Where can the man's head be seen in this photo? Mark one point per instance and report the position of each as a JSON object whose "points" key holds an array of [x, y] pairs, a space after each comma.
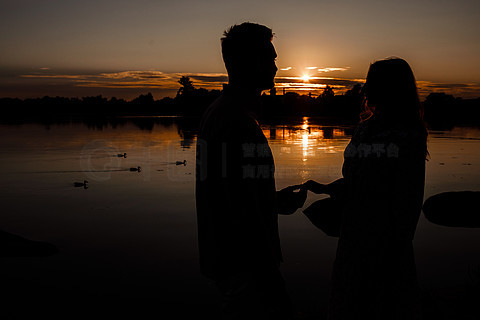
{"points": [[249, 56]]}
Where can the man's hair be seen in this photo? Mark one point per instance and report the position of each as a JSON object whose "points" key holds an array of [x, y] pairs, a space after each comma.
{"points": [[242, 43]]}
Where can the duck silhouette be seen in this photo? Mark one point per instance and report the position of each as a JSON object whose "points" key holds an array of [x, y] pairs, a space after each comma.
{"points": [[178, 163], [124, 155], [81, 184], [136, 169]]}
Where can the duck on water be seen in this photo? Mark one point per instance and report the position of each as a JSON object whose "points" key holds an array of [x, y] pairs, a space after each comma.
{"points": [[83, 184]]}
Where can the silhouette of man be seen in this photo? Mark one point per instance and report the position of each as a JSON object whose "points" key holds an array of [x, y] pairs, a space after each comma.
{"points": [[237, 203]]}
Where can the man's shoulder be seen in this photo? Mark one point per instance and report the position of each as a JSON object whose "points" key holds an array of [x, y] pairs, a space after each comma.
{"points": [[217, 107], [226, 107], [225, 115]]}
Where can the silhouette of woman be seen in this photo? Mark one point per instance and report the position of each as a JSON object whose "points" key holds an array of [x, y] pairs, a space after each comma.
{"points": [[381, 193]]}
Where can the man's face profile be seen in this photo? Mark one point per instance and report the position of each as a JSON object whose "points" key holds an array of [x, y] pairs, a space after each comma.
{"points": [[267, 69]]}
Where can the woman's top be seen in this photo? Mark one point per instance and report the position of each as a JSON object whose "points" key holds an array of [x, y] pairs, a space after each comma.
{"points": [[384, 176]]}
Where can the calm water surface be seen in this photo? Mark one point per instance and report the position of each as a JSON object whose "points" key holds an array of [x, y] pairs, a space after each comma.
{"points": [[140, 227]]}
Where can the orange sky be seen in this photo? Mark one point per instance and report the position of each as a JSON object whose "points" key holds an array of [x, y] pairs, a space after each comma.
{"points": [[126, 48]]}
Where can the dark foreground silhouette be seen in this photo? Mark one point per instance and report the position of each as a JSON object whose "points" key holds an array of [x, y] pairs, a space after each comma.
{"points": [[236, 198], [379, 201], [450, 209], [12, 245], [326, 215], [454, 209]]}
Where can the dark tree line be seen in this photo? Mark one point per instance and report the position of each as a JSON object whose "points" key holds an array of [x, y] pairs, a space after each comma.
{"points": [[441, 110], [342, 107]]}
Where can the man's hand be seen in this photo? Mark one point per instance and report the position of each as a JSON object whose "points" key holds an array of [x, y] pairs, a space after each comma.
{"points": [[289, 200], [315, 187]]}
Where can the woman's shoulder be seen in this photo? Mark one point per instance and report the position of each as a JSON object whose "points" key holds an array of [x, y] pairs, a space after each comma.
{"points": [[361, 131], [373, 138], [373, 129]]}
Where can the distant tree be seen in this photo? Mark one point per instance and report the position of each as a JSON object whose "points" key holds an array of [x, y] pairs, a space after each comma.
{"points": [[440, 98], [327, 93], [440, 110], [291, 95], [166, 100], [93, 100], [187, 87], [355, 91], [144, 99], [114, 100]]}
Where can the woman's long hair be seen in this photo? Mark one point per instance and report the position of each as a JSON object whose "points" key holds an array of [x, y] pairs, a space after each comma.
{"points": [[390, 95]]}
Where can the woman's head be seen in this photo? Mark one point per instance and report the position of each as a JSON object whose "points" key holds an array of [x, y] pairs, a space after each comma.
{"points": [[391, 96], [390, 91]]}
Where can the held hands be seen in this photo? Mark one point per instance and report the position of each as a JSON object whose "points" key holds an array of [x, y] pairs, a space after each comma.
{"points": [[315, 187], [289, 200], [335, 189]]}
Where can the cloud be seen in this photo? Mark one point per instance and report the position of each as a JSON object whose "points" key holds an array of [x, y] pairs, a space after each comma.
{"points": [[211, 78], [286, 69], [53, 76], [465, 90], [432, 85], [130, 83], [135, 75], [311, 68], [132, 80], [320, 80], [332, 69], [315, 85]]}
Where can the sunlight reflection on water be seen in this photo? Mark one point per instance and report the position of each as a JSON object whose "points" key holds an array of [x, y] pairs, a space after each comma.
{"points": [[124, 211]]}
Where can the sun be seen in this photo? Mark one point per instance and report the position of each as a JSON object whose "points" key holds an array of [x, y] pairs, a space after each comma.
{"points": [[305, 77]]}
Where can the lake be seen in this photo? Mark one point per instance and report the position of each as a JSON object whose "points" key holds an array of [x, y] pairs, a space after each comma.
{"points": [[131, 235]]}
